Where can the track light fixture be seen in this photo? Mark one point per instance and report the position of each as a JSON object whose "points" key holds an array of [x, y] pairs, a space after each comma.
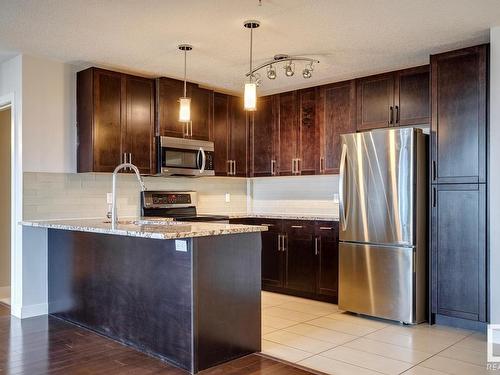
{"points": [[289, 66]]}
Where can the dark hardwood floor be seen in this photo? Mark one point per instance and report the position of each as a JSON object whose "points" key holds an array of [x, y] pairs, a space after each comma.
{"points": [[47, 345]]}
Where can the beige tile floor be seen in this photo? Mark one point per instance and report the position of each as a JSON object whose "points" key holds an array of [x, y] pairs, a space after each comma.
{"points": [[317, 335]]}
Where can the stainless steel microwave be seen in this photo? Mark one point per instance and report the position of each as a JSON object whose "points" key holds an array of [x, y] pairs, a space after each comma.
{"points": [[185, 157]]}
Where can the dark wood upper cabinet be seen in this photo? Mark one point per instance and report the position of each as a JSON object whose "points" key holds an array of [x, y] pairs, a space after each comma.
{"points": [[230, 136], [168, 92], [458, 251], [459, 116], [398, 98], [139, 123], [201, 112], [115, 120], [264, 137], [221, 133], [308, 133], [412, 97], [288, 133], [336, 116], [375, 102], [238, 151]]}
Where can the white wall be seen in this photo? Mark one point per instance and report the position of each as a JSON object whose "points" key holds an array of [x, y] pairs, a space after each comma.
{"points": [[49, 115], [11, 93], [494, 176]]}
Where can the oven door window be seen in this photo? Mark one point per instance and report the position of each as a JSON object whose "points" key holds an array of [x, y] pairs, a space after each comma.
{"points": [[187, 159]]}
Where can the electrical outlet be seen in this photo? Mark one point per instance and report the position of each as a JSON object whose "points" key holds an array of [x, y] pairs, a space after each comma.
{"points": [[228, 197], [336, 198]]}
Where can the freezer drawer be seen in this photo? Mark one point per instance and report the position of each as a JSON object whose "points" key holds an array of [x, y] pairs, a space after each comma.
{"points": [[378, 281]]}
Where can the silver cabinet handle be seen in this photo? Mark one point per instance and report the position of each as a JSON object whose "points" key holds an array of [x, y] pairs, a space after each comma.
{"points": [[325, 228], [316, 240], [293, 166], [228, 167], [234, 170], [279, 242], [297, 226], [267, 225], [298, 166], [321, 165], [273, 167], [130, 157], [185, 129], [285, 237]]}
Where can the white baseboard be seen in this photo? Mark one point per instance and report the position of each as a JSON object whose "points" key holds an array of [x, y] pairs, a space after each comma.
{"points": [[24, 312], [4, 291]]}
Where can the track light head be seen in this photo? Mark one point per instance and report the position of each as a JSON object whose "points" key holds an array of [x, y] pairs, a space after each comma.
{"points": [[271, 72], [289, 69]]}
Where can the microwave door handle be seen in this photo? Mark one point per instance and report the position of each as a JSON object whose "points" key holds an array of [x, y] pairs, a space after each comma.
{"points": [[203, 159]]}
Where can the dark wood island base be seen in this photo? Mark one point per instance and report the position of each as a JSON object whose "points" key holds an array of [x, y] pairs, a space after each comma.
{"points": [[193, 302]]}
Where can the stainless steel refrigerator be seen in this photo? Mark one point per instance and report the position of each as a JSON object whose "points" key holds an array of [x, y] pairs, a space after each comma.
{"points": [[383, 224]]}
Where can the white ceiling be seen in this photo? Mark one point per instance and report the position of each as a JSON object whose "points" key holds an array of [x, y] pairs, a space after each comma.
{"points": [[351, 38]]}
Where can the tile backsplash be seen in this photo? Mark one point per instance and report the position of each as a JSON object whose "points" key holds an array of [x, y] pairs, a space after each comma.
{"points": [[315, 195], [71, 195]]}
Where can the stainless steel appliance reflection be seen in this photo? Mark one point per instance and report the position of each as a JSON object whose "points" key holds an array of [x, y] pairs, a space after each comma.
{"points": [[383, 225]]}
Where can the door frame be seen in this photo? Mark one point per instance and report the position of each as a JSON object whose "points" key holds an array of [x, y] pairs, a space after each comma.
{"points": [[16, 246]]}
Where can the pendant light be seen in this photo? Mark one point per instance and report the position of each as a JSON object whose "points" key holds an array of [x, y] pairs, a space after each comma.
{"points": [[184, 101], [250, 99]]}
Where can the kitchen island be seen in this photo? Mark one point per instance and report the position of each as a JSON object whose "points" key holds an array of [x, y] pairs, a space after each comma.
{"points": [[188, 293]]}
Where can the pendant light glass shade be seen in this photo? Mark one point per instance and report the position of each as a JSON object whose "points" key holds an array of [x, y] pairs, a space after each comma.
{"points": [[184, 101], [184, 109], [250, 96]]}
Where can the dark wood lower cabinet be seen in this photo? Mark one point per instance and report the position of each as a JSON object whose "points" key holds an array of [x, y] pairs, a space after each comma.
{"points": [[299, 257], [458, 252], [327, 235]]}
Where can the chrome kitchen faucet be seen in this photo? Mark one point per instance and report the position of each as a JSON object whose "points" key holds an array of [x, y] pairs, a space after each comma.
{"points": [[114, 218]]}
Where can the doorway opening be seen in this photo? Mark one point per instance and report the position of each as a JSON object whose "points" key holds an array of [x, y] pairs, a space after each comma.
{"points": [[5, 204]]}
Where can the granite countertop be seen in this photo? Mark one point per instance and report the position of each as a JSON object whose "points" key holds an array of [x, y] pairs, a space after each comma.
{"points": [[164, 229], [288, 216]]}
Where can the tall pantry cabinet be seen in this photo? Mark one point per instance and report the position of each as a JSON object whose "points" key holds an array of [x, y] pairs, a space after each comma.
{"points": [[459, 187]]}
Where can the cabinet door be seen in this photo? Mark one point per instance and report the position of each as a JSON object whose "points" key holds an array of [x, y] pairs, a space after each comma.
{"points": [[238, 135], [327, 245], [458, 251], [412, 97], [109, 94], [337, 117], [288, 132], [375, 102], [168, 92], [263, 139], [221, 133], [201, 112], [458, 130], [301, 259], [138, 135], [308, 152], [272, 256]]}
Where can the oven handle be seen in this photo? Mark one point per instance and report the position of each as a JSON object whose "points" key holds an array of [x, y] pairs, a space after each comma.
{"points": [[203, 160]]}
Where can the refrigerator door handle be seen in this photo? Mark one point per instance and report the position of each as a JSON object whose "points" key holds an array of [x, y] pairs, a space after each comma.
{"points": [[343, 217]]}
